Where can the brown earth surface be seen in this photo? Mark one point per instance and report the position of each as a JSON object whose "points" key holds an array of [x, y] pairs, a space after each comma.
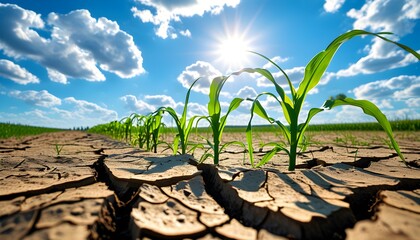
{"points": [[346, 186]]}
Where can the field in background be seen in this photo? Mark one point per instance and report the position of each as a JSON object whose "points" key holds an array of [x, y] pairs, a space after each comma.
{"points": [[16, 130], [8, 130], [397, 125], [316, 134]]}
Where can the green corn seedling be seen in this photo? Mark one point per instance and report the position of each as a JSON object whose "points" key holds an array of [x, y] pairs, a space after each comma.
{"points": [[216, 120], [183, 128], [58, 149], [127, 125], [153, 124], [291, 106]]}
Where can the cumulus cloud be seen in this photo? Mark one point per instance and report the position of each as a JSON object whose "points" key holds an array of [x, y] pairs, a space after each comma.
{"points": [[38, 98], [148, 103], [136, 105], [398, 88], [85, 109], [386, 88], [16, 73], [413, 102], [397, 16], [56, 112], [200, 69], [382, 56], [185, 33], [196, 109], [333, 6], [246, 92], [167, 12], [56, 76], [79, 45], [110, 47], [403, 113], [151, 103], [161, 101], [384, 15]]}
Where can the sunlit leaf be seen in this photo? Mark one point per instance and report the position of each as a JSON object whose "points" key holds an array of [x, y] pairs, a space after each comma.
{"points": [[370, 109]]}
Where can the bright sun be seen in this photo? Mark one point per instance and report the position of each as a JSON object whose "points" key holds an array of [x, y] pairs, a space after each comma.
{"points": [[233, 52]]}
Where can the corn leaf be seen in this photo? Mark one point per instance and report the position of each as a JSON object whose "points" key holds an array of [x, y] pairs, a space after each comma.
{"points": [[269, 77], [370, 109], [284, 130], [292, 88], [271, 154], [187, 98], [302, 127], [215, 88], [234, 104], [317, 66]]}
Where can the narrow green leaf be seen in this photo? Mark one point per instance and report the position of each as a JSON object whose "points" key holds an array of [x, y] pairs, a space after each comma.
{"points": [[269, 77], [292, 88], [271, 154], [215, 88], [370, 109], [284, 130], [187, 98], [302, 127], [317, 66], [234, 104], [249, 140]]}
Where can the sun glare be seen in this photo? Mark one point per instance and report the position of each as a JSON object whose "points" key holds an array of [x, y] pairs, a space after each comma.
{"points": [[233, 51]]}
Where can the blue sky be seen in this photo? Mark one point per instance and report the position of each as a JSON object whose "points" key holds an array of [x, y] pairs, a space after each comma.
{"points": [[81, 63]]}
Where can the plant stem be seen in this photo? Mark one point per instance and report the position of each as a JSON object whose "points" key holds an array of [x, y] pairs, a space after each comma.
{"points": [[293, 141], [216, 136], [216, 150]]}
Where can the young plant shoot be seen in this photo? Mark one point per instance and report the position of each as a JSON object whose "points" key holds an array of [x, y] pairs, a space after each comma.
{"points": [[216, 120], [183, 128], [291, 106]]}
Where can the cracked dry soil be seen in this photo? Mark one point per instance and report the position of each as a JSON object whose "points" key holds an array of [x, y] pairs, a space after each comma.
{"points": [[98, 188]]}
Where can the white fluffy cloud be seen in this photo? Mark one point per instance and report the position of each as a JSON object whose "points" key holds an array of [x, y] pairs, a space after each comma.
{"points": [[185, 33], [148, 103], [89, 110], [246, 92], [59, 118], [136, 105], [403, 87], [79, 45], [38, 98], [397, 16], [200, 69], [333, 5], [413, 102], [16, 73], [382, 56], [167, 12], [384, 15]]}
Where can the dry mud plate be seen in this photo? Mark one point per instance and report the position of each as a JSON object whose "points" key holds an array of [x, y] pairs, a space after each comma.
{"points": [[98, 188]]}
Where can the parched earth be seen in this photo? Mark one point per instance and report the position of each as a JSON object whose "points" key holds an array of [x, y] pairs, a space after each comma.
{"points": [[98, 188]]}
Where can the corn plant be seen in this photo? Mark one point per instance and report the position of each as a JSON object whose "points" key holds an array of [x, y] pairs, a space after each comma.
{"points": [[58, 149], [127, 125], [291, 106], [152, 129], [183, 128], [216, 120]]}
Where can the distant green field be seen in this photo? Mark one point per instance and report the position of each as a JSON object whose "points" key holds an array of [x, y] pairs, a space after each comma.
{"points": [[397, 125], [16, 130]]}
